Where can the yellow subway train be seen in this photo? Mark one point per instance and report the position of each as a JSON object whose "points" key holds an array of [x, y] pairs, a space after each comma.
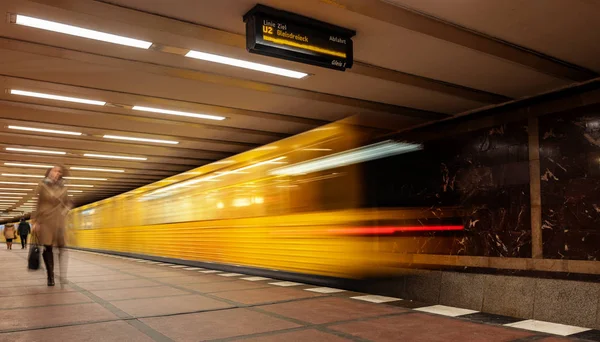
{"points": [[299, 205]]}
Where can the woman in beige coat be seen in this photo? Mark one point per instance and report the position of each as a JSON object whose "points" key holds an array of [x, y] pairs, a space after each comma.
{"points": [[9, 235], [49, 220]]}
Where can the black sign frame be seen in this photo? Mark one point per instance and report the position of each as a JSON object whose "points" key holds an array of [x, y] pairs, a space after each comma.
{"points": [[281, 34]]}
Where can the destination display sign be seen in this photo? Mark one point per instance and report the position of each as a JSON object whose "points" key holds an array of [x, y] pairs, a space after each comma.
{"points": [[281, 34]]}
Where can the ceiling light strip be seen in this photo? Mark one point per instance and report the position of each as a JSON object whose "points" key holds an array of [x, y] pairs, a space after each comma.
{"points": [[40, 166], [56, 97], [240, 63], [29, 150], [81, 32], [21, 175], [158, 141], [43, 130], [178, 113], [83, 168], [106, 156], [86, 178]]}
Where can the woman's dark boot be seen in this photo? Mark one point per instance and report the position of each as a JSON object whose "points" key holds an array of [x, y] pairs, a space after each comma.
{"points": [[49, 261]]}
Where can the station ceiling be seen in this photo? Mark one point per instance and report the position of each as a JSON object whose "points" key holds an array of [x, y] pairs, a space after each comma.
{"points": [[416, 61]]}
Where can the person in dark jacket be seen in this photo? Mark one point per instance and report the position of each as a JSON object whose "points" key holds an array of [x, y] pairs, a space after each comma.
{"points": [[24, 230]]}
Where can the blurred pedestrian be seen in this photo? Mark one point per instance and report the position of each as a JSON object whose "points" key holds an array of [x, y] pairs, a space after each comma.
{"points": [[49, 220], [23, 230], [9, 235]]}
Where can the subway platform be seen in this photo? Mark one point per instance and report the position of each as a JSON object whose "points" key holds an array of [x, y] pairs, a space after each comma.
{"points": [[112, 298]]}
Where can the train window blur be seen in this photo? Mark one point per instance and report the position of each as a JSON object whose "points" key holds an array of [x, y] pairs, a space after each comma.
{"points": [[330, 201]]}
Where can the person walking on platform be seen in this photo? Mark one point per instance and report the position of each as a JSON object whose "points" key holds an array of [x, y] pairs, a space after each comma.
{"points": [[9, 235], [49, 220], [23, 230]]}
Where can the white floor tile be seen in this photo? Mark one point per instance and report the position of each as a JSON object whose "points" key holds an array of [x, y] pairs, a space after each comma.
{"points": [[324, 290], [547, 327], [376, 299], [285, 283], [210, 271], [256, 278], [446, 310], [230, 274]]}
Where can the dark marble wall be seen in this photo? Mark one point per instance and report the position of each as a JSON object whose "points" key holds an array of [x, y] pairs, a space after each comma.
{"points": [[485, 173], [570, 186]]}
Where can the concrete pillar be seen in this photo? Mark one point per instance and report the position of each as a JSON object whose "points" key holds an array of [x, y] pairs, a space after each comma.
{"points": [[535, 189]]}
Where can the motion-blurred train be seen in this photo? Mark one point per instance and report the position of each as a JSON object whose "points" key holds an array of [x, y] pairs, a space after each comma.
{"points": [[316, 203]]}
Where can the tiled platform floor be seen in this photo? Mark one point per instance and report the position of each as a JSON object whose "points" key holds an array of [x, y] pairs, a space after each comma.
{"points": [[119, 299]]}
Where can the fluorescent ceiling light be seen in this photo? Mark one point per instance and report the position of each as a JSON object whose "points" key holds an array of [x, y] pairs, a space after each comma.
{"points": [[13, 201], [56, 97], [21, 175], [17, 183], [209, 57], [70, 195], [179, 113], [74, 190], [86, 178], [13, 193], [29, 165], [358, 155], [29, 150], [106, 156], [158, 141], [81, 168], [81, 32], [80, 185], [15, 189], [43, 130], [11, 197]]}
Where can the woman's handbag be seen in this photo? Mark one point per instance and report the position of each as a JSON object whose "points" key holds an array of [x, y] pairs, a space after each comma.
{"points": [[33, 261]]}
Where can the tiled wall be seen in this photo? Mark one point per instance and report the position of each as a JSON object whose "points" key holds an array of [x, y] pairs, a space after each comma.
{"points": [[570, 186], [485, 172]]}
